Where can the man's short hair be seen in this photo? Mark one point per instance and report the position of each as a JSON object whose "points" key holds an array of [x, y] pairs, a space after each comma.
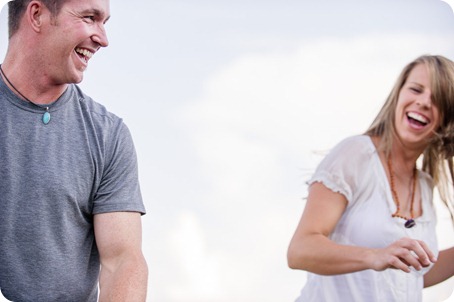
{"points": [[16, 10]]}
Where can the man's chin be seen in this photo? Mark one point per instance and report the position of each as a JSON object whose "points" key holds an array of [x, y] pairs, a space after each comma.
{"points": [[77, 78]]}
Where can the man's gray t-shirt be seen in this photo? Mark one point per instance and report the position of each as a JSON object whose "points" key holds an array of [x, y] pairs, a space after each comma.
{"points": [[53, 179]]}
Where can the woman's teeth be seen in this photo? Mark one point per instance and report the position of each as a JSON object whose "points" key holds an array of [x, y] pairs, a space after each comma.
{"points": [[418, 117]]}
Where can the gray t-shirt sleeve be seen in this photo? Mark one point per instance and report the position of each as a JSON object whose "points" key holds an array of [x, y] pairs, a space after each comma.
{"points": [[119, 188]]}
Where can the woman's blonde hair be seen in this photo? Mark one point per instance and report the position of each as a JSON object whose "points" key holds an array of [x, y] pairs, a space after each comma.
{"points": [[438, 156]]}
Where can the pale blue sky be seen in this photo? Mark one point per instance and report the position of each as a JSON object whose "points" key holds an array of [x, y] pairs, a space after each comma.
{"points": [[229, 103]]}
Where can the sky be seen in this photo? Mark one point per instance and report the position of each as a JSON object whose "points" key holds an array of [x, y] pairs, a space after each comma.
{"points": [[232, 104]]}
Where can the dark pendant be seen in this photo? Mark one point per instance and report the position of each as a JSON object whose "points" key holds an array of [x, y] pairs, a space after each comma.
{"points": [[410, 223]]}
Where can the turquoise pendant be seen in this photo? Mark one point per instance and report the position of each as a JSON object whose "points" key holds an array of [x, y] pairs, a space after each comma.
{"points": [[46, 117]]}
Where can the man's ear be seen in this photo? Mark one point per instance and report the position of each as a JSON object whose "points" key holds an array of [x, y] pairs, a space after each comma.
{"points": [[34, 14]]}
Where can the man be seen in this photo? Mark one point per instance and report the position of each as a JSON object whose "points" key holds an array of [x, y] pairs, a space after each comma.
{"points": [[70, 202]]}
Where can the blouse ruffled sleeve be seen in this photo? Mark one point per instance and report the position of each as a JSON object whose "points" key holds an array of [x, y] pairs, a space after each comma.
{"points": [[343, 167]]}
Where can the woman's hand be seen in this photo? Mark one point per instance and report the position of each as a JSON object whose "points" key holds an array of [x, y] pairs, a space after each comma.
{"points": [[403, 254]]}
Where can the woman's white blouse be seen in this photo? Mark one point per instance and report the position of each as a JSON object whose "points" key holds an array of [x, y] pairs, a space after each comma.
{"points": [[353, 168]]}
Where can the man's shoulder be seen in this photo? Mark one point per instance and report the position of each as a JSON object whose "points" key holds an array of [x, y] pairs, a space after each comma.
{"points": [[97, 111]]}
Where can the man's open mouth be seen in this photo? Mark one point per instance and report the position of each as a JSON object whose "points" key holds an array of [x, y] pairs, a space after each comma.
{"points": [[85, 54]]}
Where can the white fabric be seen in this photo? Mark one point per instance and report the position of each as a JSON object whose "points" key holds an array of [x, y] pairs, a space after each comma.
{"points": [[353, 168]]}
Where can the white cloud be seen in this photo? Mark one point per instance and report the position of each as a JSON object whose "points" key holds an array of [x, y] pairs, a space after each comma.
{"points": [[283, 98], [198, 273]]}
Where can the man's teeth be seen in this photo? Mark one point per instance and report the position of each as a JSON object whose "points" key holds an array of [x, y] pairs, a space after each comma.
{"points": [[418, 117], [84, 52]]}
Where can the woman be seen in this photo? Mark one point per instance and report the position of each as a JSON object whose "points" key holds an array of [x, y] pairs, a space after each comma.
{"points": [[368, 229]]}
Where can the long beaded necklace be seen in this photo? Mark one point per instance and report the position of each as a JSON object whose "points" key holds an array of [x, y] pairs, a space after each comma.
{"points": [[410, 222], [46, 115]]}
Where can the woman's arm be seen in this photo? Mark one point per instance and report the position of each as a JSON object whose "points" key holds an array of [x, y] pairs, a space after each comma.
{"points": [[442, 270], [311, 250]]}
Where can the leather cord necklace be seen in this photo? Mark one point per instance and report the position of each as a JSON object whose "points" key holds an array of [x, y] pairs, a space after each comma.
{"points": [[46, 115], [410, 222]]}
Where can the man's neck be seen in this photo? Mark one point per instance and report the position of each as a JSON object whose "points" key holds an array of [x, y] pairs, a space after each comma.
{"points": [[27, 82]]}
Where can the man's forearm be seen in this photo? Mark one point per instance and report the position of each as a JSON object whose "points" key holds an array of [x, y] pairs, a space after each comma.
{"points": [[125, 281]]}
